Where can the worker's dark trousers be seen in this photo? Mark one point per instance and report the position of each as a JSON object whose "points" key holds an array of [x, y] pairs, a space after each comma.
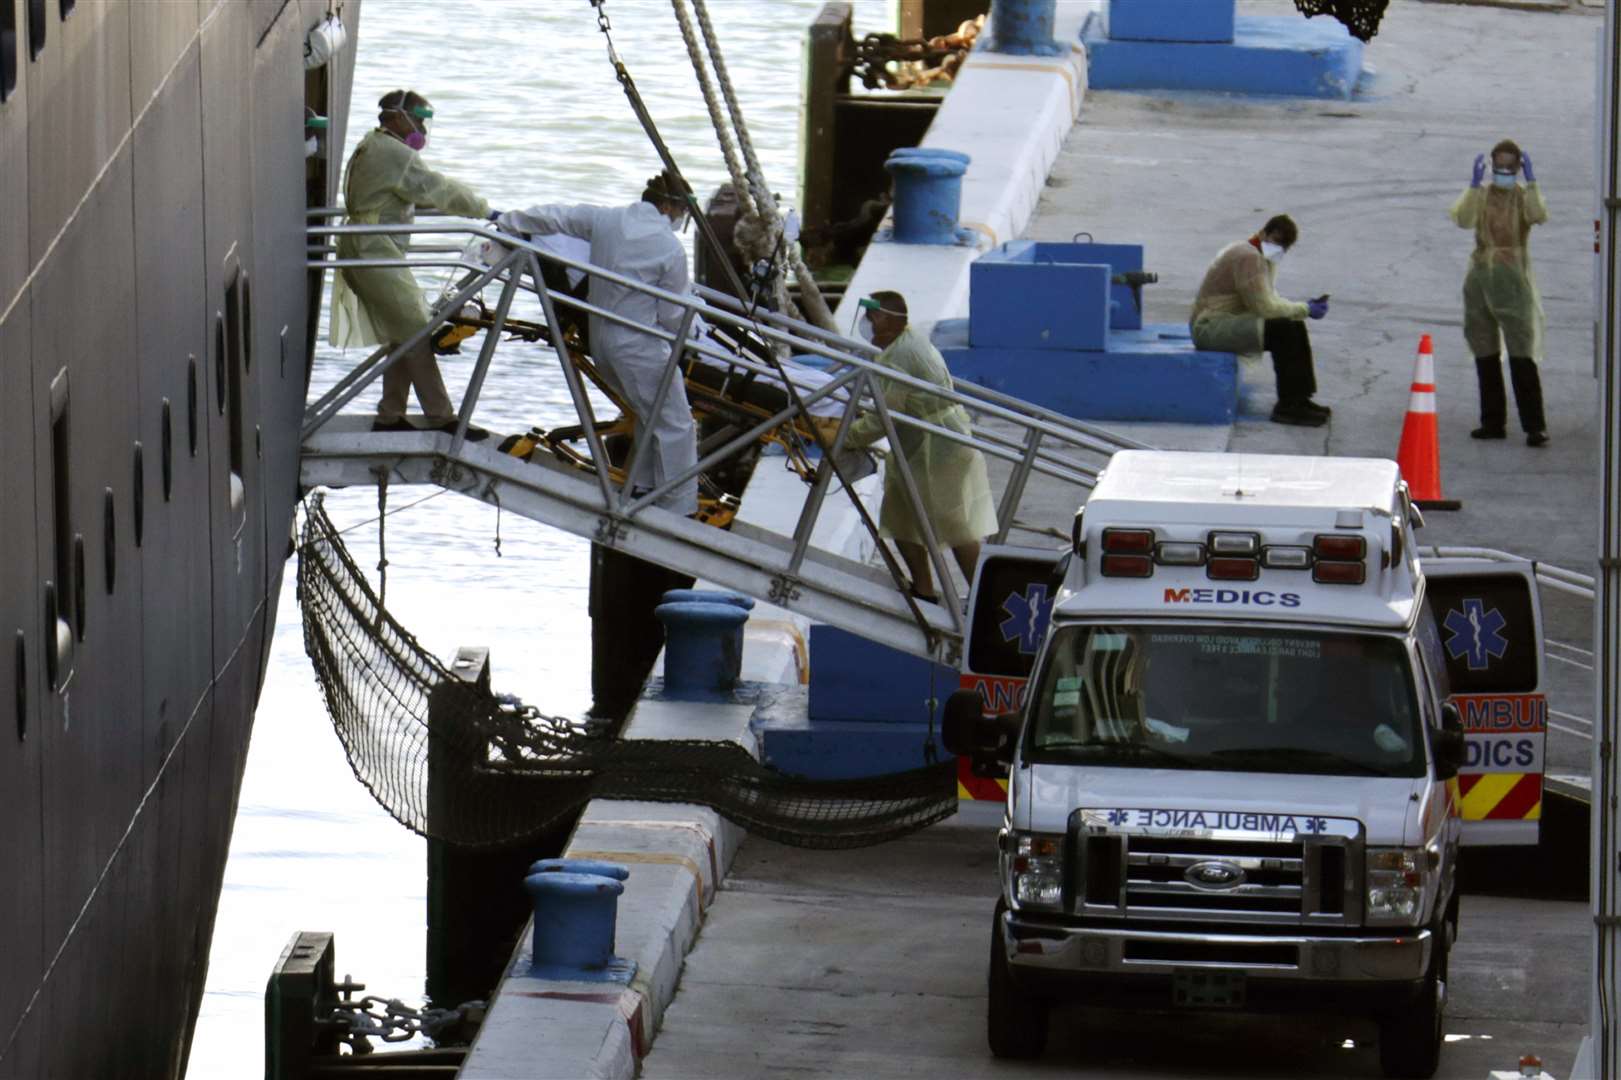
{"points": [[1290, 346], [1527, 392]]}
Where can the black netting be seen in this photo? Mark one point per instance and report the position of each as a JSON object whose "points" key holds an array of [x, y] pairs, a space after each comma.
{"points": [[450, 760], [1361, 17]]}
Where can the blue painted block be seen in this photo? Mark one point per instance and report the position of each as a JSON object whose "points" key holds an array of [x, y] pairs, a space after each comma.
{"points": [[1149, 374], [1285, 56], [1171, 20], [841, 750], [852, 678], [1023, 296]]}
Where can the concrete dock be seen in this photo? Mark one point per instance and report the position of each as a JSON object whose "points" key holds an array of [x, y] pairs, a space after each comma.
{"points": [[872, 964]]}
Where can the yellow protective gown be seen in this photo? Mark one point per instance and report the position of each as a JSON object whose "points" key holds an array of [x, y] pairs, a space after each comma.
{"points": [[1500, 295], [385, 184], [1235, 299], [951, 478]]}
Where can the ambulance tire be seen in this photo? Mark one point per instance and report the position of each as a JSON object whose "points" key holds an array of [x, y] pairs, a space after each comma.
{"points": [[1015, 1022], [1410, 1040]]}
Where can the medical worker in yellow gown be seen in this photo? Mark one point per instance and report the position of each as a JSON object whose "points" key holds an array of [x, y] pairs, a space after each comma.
{"points": [[952, 483], [385, 184], [1501, 305]]}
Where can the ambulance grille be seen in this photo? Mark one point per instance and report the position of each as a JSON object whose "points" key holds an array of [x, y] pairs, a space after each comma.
{"points": [[1161, 873]]}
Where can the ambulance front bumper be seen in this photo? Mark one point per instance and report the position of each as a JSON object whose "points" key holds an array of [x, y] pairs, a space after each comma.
{"points": [[1042, 948]]}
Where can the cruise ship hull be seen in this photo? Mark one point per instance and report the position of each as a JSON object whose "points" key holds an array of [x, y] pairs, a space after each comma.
{"points": [[156, 332]]}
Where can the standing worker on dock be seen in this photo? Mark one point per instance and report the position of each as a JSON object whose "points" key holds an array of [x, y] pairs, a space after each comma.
{"points": [[1239, 311], [952, 483], [1500, 298], [638, 242], [385, 184]]}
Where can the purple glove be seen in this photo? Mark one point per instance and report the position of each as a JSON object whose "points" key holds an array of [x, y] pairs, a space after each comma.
{"points": [[1316, 309], [1480, 170], [1525, 167]]}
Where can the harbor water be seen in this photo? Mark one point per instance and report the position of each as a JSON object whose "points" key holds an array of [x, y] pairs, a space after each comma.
{"points": [[527, 111]]}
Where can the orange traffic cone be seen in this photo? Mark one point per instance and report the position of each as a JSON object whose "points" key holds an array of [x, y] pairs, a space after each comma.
{"points": [[1419, 456]]}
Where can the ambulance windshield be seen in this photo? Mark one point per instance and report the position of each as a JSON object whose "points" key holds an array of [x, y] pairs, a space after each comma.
{"points": [[1227, 698]]}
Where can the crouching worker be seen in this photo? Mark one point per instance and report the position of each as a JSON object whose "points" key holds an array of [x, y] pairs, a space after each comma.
{"points": [[951, 480], [378, 305]]}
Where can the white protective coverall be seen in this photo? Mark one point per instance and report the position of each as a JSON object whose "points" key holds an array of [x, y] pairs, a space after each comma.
{"points": [[637, 242]]}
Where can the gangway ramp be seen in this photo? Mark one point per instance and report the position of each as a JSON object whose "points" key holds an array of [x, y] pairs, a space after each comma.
{"points": [[810, 409]]}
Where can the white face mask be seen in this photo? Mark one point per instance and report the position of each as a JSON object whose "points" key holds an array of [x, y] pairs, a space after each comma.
{"points": [[864, 329], [1272, 252]]}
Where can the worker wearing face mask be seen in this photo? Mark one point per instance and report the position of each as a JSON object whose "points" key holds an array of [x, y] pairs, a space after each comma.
{"points": [[638, 242], [1238, 310], [951, 480], [1500, 299], [385, 184]]}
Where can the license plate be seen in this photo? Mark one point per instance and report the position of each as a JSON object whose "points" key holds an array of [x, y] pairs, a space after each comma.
{"points": [[1207, 990]]}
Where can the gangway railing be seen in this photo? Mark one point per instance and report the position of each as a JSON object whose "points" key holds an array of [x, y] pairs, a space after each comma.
{"points": [[784, 569]]}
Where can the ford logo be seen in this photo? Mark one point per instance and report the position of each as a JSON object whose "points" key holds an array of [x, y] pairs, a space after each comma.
{"points": [[1214, 875]]}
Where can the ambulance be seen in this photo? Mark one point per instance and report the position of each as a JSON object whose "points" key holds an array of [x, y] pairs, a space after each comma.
{"points": [[1236, 758]]}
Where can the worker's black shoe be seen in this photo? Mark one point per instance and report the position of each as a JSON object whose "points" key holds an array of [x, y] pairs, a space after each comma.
{"points": [[1536, 438], [1316, 408], [401, 424], [474, 432], [1488, 433], [1298, 414]]}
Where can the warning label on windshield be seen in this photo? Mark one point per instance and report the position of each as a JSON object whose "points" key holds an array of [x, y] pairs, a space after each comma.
{"points": [[1237, 645]]}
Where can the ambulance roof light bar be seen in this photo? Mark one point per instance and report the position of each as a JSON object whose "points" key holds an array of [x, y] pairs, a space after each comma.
{"points": [[1128, 553], [1339, 559]]}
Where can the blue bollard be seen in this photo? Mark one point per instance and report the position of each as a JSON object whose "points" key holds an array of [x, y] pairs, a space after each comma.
{"points": [[928, 194], [580, 866], [1023, 28], [574, 927], [712, 596], [703, 647]]}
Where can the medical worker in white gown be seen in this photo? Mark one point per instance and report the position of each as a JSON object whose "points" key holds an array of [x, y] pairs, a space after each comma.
{"points": [[637, 242]]}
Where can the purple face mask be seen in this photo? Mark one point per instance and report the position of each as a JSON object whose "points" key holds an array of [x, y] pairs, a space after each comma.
{"points": [[416, 140]]}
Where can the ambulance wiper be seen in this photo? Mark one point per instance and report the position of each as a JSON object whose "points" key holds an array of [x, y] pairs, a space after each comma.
{"points": [[1110, 744], [1299, 755]]}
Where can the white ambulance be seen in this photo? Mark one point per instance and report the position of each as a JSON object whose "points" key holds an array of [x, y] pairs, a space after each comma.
{"points": [[1232, 781]]}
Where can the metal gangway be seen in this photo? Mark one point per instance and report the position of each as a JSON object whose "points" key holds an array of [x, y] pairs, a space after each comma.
{"points": [[583, 496]]}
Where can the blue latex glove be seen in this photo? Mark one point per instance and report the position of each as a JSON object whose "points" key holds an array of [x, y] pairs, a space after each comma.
{"points": [[493, 215], [1316, 309], [1480, 170], [1525, 167]]}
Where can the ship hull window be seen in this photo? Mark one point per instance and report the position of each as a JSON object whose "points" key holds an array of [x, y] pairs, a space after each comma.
{"points": [[36, 28], [8, 49]]}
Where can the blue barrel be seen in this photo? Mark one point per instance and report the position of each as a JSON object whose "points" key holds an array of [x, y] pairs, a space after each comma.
{"points": [[574, 920], [928, 193], [1022, 28], [703, 647]]}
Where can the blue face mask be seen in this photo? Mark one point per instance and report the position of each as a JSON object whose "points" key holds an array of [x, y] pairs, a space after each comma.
{"points": [[1502, 179]]}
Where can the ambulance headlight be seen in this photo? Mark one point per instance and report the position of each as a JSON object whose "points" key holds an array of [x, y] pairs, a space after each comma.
{"points": [[1036, 870], [1396, 878]]}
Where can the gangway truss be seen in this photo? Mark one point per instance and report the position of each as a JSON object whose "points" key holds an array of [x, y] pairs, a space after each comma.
{"points": [[584, 494]]}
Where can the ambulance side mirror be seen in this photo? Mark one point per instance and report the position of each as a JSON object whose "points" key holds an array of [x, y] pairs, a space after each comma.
{"points": [[968, 732], [1449, 744]]}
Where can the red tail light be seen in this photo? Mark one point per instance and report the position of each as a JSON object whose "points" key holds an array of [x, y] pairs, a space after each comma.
{"points": [[1227, 568], [1339, 573], [1340, 547], [1128, 542], [1128, 566]]}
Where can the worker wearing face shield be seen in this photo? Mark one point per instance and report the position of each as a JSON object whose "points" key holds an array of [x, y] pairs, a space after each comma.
{"points": [[1501, 305], [638, 242], [952, 483], [385, 184]]}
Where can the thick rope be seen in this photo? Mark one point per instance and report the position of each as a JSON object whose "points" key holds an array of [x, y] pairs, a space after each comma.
{"points": [[734, 164]]}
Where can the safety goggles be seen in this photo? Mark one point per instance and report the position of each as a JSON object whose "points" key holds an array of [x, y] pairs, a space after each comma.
{"points": [[421, 118], [869, 304]]}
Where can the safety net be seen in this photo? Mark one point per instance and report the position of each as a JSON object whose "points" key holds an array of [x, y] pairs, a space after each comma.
{"points": [[1361, 17], [451, 760]]}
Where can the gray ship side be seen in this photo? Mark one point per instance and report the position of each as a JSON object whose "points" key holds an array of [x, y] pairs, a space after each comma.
{"points": [[156, 327]]}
